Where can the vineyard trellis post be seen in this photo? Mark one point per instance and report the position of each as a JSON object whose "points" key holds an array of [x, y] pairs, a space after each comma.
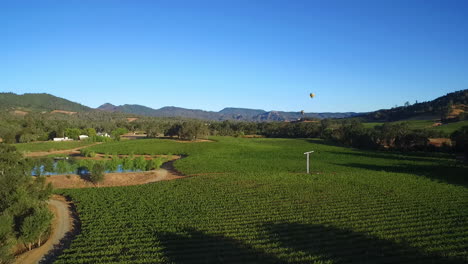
{"points": [[308, 153]]}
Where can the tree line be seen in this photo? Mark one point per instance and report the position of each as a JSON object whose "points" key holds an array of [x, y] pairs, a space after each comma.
{"points": [[350, 132]]}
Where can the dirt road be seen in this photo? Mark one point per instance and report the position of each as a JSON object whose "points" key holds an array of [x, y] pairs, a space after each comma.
{"points": [[61, 225], [64, 151]]}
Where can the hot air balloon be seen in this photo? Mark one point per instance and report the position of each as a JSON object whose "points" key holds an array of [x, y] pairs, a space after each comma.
{"points": [[312, 95]]}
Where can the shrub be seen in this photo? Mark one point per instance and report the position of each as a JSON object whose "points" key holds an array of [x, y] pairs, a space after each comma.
{"points": [[139, 163], [127, 164], [113, 164], [97, 172], [153, 164], [62, 167], [87, 153], [48, 164]]}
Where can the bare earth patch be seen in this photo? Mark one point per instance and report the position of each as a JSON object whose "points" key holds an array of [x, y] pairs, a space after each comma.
{"points": [[74, 151], [63, 112], [19, 113], [439, 142], [112, 179], [133, 136]]}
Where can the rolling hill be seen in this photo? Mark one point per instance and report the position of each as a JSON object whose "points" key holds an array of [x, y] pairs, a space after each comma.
{"points": [[229, 113], [448, 106], [38, 102]]}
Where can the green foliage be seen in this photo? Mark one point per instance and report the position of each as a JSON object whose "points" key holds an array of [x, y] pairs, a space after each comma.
{"points": [[25, 138], [7, 237], [86, 164], [461, 140], [91, 132], [451, 127], [35, 225], [48, 164], [49, 146], [139, 163], [21, 198], [434, 109], [73, 133], [63, 167], [113, 163], [263, 208], [97, 172], [99, 139], [87, 153], [118, 132], [39, 101], [192, 130], [153, 164], [127, 163]]}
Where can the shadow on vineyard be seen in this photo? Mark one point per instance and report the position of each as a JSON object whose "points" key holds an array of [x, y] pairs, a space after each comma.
{"points": [[439, 172], [193, 246], [347, 246], [169, 165], [65, 242], [395, 156]]}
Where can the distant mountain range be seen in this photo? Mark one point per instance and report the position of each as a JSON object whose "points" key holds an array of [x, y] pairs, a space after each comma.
{"points": [[457, 101], [230, 113]]}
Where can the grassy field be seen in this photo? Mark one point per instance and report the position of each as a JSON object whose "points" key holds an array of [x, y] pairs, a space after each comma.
{"points": [[414, 124], [372, 124], [426, 124], [50, 145], [451, 127], [356, 206]]}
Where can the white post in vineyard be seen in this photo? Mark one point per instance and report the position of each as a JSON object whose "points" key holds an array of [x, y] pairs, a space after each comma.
{"points": [[308, 153]]}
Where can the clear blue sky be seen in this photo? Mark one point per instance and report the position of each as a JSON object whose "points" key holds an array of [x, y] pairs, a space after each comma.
{"points": [[355, 55]]}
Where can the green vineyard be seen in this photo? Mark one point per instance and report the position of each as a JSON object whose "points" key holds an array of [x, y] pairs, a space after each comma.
{"points": [[249, 201]]}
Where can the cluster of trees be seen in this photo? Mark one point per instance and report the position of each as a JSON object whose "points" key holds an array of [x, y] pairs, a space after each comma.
{"points": [[24, 217], [44, 126], [460, 137], [36, 126], [389, 135]]}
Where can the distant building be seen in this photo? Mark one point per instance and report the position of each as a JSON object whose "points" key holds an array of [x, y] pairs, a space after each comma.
{"points": [[63, 139], [83, 137], [103, 134]]}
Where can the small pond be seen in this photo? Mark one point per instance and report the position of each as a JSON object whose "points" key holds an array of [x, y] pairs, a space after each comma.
{"points": [[58, 166]]}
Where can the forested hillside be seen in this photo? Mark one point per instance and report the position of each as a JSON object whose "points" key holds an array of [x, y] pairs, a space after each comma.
{"points": [[38, 102], [440, 108]]}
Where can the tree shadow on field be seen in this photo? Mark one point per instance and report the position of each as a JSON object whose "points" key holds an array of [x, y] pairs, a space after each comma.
{"points": [[451, 175], [346, 246], [397, 156], [192, 246], [323, 142]]}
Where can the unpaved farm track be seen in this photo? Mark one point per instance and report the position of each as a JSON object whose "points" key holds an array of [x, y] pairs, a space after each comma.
{"points": [[63, 151], [62, 229], [66, 223]]}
